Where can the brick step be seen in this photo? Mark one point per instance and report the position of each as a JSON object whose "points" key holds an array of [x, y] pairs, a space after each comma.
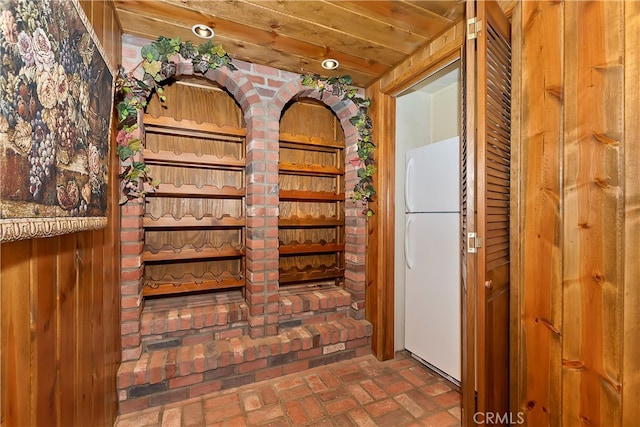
{"points": [[187, 320], [167, 375], [312, 304]]}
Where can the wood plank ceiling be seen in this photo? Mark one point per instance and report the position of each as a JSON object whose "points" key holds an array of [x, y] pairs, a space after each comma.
{"points": [[366, 37]]}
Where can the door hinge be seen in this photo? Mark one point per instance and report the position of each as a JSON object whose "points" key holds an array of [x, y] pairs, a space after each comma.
{"points": [[474, 242], [474, 27]]}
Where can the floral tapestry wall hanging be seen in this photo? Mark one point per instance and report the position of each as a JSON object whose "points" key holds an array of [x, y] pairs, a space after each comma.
{"points": [[56, 91]]}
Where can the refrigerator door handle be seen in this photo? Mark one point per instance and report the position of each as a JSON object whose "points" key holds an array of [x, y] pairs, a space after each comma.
{"points": [[407, 251], [407, 182]]}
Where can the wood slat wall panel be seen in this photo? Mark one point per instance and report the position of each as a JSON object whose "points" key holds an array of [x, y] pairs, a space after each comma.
{"points": [[43, 328], [580, 222], [67, 318], [592, 210], [60, 317], [17, 406], [631, 247]]}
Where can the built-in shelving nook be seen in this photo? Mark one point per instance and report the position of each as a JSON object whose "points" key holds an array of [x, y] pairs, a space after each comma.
{"points": [[312, 195], [194, 223], [246, 263]]}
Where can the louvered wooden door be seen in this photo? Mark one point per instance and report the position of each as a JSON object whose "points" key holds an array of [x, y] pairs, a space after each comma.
{"points": [[487, 178]]}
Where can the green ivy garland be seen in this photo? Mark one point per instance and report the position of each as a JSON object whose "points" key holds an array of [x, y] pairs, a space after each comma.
{"points": [[340, 86], [159, 62]]}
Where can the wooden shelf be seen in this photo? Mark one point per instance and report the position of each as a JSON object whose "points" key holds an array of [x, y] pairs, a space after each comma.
{"points": [[310, 222], [189, 221], [175, 287], [312, 196], [311, 248], [191, 190], [311, 274], [302, 169], [191, 253], [169, 158], [303, 141], [170, 126]]}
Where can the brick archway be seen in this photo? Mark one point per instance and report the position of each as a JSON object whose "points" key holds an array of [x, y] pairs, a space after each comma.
{"points": [[355, 230]]}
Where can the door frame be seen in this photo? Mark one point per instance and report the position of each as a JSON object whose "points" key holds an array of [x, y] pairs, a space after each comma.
{"points": [[379, 300], [381, 227]]}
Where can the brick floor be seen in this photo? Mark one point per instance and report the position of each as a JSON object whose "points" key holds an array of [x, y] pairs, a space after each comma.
{"points": [[358, 392]]}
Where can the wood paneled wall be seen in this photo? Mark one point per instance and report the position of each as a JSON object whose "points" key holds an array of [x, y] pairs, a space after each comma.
{"points": [[577, 348], [60, 296]]}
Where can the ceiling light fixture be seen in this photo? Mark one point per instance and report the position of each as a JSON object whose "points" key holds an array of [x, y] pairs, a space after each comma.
{"points": [[330, 64], [202, 31]]}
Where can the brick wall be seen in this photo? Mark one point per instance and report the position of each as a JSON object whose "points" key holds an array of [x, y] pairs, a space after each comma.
{"points": [[262, 92]]}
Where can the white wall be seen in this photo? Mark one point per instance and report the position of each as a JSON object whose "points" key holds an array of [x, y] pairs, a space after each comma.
{"points": [[427, 113], [445, 111]]}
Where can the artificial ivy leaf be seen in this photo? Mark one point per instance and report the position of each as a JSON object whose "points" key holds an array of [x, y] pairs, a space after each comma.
{"points": [[135, 145], [139, 166], [165, 48], [218, 50], [122, 110], [188, 50], [124, 153], [205, 47], [150, 53], [152, 68]]}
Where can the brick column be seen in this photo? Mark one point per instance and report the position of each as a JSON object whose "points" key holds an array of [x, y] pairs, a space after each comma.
{"points": [[131, 278], [261, 271], [262, 225], [355, 220]]}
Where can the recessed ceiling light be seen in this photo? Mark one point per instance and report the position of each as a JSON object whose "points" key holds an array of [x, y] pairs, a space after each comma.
{"points": [[202, 31], [330, 64]]}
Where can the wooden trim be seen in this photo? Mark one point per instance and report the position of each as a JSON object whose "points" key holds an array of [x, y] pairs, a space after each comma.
{"points": [[191, 254], [310, 222], [517, 389], [294, 275], [309, 143], [168, 221], [192, 190], [169, 125], [469, 302], [413, 68], [303, 169], [310, 248], [209, 161], [310, 196], [381, 236], [167, 288]]}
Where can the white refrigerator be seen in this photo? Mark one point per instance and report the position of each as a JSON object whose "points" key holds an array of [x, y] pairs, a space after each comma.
{"points": [[432, 256]]}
